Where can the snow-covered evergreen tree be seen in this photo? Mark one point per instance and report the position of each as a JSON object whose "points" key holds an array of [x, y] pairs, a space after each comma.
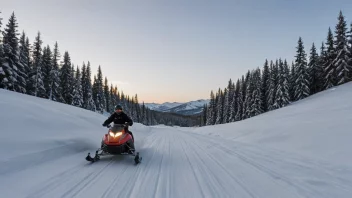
{"points": [[24, 63], [302, 77], [256, 103], [47, 68], [2, 72], [315, 71], [10, 58], [107, 96], [341, 62], [88, 89], [248, 102], [211, 109], [36, 77], [245, 93], [240, 100], [95, 91], [350, 49], [219, 107], [292, 81], [282, 93], [265, 86], [66, 78], [54, 80], [203, 115], [330, 76], [227, 102], [29, 63], [112, 97], [274, 79], [100, 97], [234, 102], [77, 90], [84, 86]]}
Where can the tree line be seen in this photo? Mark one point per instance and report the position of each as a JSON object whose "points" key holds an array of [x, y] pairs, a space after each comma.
{"points": [[36, 70], [278, 84]]}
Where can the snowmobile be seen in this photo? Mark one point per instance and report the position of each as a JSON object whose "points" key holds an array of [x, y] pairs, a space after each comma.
{"points": [[116, 142]]}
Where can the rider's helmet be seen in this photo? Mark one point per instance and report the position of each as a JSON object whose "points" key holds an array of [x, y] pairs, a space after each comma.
{"points": [[118, 108]]}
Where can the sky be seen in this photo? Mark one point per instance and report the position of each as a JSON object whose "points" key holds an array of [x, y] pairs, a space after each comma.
{"points": [[176, 51]]}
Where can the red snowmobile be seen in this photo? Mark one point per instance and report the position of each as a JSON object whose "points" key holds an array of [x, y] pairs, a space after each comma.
{"points": [[116, 142]]}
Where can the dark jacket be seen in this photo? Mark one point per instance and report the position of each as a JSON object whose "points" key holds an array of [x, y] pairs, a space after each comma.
{"points": [[121, 118]]}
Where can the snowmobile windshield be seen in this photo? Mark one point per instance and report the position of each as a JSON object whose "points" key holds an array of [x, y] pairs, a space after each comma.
{"points": [[117, 128]]}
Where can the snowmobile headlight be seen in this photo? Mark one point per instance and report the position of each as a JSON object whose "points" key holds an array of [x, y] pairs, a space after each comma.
{"points": [[115, 135]]}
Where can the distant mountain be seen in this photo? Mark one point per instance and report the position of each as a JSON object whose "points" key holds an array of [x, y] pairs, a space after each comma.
{"points": [[162, 107], [188, 108]]}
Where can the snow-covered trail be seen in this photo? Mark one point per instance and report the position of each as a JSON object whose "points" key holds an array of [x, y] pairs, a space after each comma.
{"points": [[177, 164]]}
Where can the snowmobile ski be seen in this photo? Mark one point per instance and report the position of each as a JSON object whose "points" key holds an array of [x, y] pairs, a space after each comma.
{"points": [[137, 159]]}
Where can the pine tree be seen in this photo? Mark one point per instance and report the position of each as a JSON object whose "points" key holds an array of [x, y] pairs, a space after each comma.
{"points": [[95, 91], [256, 99], [100, 97], [10, 58], [245, 93], [234, 103], [219, 107], [227, 101], [2, 72], [84, 83], [274, 80], [341, 62], [36, 77], [211, 109], [282, 94], [248, 102], [240, 100], [203, 115], [330, 76], [315, 71], [30, 69], [24, 62], [112, 96], [77, 90], [88, 89], [302, 78], [292, 81], [65, 79], [72, 79], [47, 68], [350, 49], [54, 80], [287, 81], [107, 96], [265, 86]]}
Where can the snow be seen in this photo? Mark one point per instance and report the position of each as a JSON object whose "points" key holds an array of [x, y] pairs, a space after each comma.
{"points": [[298, 151], [318, 126]]}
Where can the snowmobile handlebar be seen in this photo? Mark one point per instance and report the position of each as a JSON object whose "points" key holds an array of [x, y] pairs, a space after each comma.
{"points": [[125, 125]]}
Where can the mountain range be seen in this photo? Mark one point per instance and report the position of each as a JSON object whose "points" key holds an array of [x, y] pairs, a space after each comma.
{"points": [[187, 108]]}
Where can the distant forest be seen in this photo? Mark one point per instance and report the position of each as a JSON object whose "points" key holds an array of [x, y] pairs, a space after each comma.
{"points": [[37, 70]]}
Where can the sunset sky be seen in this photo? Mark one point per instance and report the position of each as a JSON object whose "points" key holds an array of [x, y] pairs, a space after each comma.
{"points": [[176, 51]]}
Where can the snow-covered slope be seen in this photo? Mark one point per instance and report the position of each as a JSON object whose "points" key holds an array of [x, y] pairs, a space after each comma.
{"points": [[318, 126], [284, 153], [188, 108]]}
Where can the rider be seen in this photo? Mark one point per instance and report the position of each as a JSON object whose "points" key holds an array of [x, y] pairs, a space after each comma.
{"points": [[120, 117]]}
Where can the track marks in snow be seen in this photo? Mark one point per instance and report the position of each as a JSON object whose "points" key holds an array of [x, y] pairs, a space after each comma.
{"points": [[281, 169], [183, 164]]}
